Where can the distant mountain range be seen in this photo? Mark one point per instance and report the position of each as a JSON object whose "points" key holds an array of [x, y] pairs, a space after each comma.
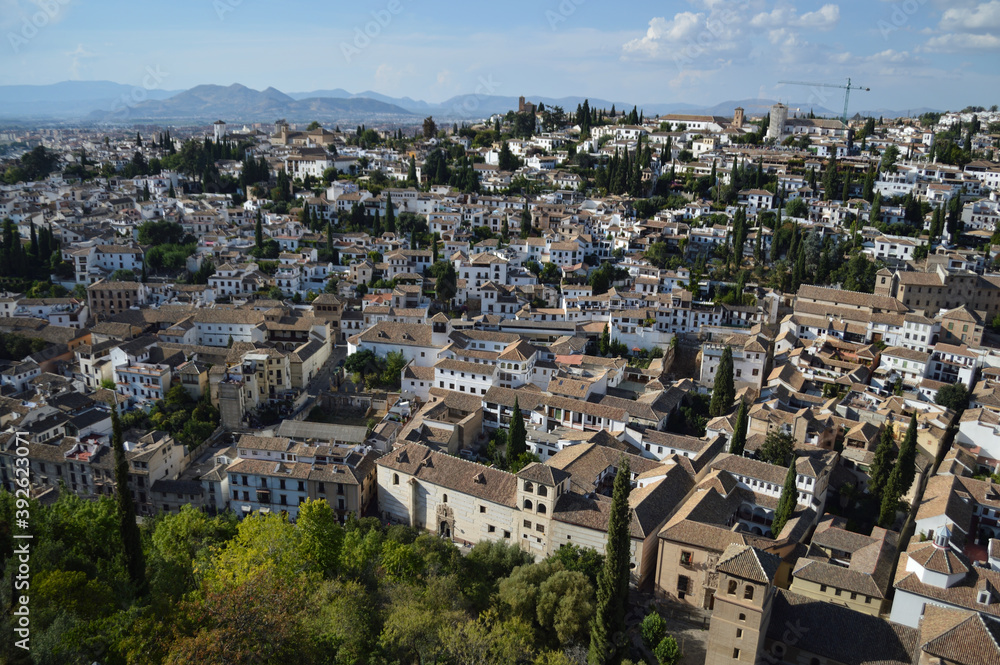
{"points": [[240, 103], [105, 101]]}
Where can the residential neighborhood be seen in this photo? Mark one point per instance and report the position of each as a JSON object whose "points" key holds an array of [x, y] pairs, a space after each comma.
{"points": [[769, 342]]}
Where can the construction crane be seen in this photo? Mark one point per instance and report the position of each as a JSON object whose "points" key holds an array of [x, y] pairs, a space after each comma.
{"points": [[846, 88]]}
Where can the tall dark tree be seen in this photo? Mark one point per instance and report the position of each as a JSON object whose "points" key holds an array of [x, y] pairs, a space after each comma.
{"points": [[411, 173], [786, 504], [258, 231], [724, 388], [612, 583], [525, 220], [517, 438], [135, 562], [906, 463], [390, 214], [305, 218], [739, 441], [881, 467]]}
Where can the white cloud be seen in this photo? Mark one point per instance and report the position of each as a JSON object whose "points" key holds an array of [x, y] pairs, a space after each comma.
{"points": [[984, 17], [78, 54], [963, 42], [695, 37], [824, 18], [683, 26]]}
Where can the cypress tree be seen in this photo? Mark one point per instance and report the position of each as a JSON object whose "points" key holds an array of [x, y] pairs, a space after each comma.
{"points": [[786, 504], [128, 529], [258, 231], [906, 463], [304, 217], [739, 441], [890, 501], [773, 249], [516, 441], [612, 583], [881, 465], [723, 390], [411, 174], [33, 247], [45, 245], [875, 215], [901, 476], [390, 214]]}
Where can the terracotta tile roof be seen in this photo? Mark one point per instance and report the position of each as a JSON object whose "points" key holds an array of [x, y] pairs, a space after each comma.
{"points": [[823, 627], [944, 633], [401, 334], [453, 473], [975, 641], [937, 559], [749, 563]]}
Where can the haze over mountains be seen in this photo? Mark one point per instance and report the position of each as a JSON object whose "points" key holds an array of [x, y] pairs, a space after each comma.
{"points": [[105, 101]]}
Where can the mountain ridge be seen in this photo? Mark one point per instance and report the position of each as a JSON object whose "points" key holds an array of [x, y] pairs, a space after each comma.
{"points": [[98, 101]]}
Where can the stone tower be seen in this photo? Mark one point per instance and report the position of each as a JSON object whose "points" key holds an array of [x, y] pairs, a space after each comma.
{"points": [[738, 117], [743, 600], [779, 118]]}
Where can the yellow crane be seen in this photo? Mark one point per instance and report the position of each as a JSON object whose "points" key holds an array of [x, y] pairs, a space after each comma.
{"points": [[846, 88]]}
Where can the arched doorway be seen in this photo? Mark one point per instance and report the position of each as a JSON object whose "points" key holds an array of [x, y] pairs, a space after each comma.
{"points": [[445, 530]]}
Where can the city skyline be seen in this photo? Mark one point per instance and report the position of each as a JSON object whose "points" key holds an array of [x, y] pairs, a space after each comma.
{"points": [[911, 54]]}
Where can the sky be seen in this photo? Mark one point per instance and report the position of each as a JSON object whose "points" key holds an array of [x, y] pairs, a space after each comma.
{"points": [[911, 53]]}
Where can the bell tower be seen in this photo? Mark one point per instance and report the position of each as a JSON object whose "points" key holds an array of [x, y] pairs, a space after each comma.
{"points": [[738, 117], [743, 602]]}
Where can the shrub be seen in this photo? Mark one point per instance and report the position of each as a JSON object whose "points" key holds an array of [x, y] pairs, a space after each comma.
{"points": [[654, 629], [667, 651]]}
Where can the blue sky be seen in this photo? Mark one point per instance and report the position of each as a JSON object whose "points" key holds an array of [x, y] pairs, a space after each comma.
{"points": [[911, 53]]}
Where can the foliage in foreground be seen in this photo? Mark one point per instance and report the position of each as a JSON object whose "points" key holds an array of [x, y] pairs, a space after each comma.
{"points": [[265, 590]]}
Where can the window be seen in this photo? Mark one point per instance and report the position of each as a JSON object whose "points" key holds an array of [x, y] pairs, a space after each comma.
{"points": [[490, 528], [854, 596], [739, 633], [732, 587], [395, 479], [482, 509], [836, 592], [686, 558], [748, 593], [527, 524], [822, 588], [527, 504], [736, 654], [683, 586], [540, 528], [743, 617], [543, 491]]}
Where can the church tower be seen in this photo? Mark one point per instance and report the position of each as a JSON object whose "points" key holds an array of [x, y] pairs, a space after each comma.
{"points": [[743, 602]]}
